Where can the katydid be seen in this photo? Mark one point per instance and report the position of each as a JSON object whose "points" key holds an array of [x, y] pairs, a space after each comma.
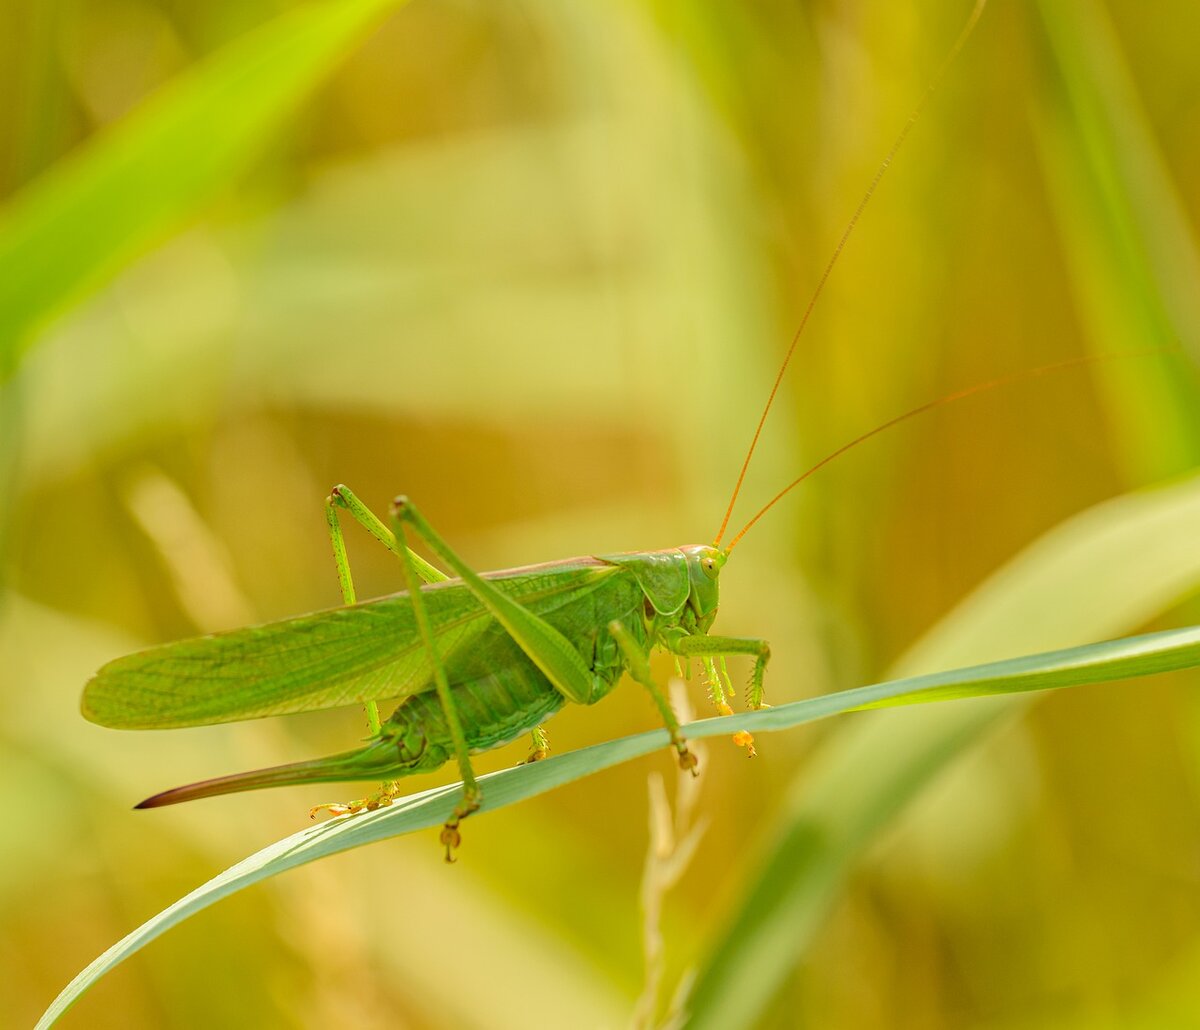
{"points": [[476, 660]]}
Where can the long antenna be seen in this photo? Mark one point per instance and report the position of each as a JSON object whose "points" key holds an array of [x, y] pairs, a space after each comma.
{"points": [[837, 253], [958, 395]]}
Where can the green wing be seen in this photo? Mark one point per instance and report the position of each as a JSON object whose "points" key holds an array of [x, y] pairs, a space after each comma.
{"points": [[368, 651]]}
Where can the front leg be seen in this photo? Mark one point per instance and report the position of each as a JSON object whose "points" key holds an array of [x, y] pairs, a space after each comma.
{"points": [[705, 647], [698, 646]]}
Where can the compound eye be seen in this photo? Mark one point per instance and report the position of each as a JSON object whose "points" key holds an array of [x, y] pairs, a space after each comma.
{"points": [[708, 565]]}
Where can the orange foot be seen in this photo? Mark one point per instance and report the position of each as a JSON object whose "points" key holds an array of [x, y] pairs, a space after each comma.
{"points": [[743, 738], [335, 808], [385, 796]]}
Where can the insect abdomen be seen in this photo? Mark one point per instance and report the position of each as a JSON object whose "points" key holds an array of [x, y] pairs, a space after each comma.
{"points": [[493, 710]]}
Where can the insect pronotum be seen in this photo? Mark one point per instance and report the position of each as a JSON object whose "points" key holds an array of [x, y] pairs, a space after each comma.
{"points": [[477, 660]]}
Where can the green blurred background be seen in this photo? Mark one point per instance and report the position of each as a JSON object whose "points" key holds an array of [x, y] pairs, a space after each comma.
{"points": [[535, 264]]}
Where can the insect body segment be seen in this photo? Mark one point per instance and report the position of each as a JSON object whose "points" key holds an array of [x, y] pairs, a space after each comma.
{"points": [[476, 661]]}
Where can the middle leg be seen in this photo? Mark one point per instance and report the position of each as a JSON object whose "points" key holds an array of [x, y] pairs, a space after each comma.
{"points": [[639, 668]]}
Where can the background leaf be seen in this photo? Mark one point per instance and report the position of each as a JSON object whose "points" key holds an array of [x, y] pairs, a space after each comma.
{"points": [[142, 178], [1133, 259], [535, 264]]}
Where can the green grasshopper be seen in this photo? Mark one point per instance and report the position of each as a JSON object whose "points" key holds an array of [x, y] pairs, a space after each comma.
{"points": [[476, 660]]}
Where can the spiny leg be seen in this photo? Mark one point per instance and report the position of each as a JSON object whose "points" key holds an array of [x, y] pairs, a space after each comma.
{"points": [[717, 676], [708, 648], [539, 746], [718, 673], [701, 646], [639, 668], [341, 496], [719, 688]]}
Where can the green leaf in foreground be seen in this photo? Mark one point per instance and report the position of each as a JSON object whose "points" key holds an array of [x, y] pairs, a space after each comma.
{"points": [[1093, 663]]}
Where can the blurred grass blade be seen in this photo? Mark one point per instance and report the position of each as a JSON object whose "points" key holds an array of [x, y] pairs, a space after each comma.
{"points": [[1112, 567], [1134, 264], [97, 209], [1120, 659]]}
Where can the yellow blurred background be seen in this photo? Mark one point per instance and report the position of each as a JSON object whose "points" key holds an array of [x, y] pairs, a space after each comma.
{"points": [[536, 264]]}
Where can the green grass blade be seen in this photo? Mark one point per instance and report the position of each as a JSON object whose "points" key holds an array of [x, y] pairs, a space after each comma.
{"points": [[97, 209], [1133, 262], [1120, 659], [1109, 568]]}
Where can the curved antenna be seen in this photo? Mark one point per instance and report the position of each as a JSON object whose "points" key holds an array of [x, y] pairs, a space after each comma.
{"points": [[837, 252], [958, 395]]}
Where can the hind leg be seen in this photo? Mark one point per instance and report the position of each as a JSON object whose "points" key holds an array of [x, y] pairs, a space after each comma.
{"points": [[343, 498]]}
